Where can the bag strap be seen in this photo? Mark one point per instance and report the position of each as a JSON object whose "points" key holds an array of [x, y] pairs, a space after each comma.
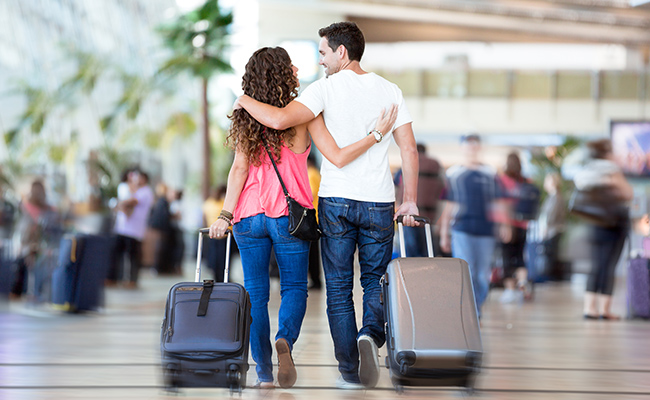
{"points": [[208, 285], [266, 146]]}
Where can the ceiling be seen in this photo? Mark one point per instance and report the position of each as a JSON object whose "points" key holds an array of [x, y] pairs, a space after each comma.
{"points": [[625, 22]]}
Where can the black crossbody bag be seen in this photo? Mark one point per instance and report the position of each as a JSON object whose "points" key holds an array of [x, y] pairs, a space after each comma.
{"points": [[302, 220]]}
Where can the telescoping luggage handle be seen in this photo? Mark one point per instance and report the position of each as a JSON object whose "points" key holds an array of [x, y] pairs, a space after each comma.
{"points": [[427, 230], [205, 231]]}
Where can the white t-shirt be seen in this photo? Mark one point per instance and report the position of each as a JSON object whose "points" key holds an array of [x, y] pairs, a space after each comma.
{"points": [[351, 104], [595, 173], [136, 224], [123, 191]]}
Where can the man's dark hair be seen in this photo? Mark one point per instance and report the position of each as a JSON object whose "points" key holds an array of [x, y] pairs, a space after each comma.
{"points": [[472, 137], [347, 34], [599, 148]]}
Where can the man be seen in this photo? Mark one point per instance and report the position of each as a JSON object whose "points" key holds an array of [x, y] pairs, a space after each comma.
{"points": [[472, 189], [430, 187], [356, 202]]}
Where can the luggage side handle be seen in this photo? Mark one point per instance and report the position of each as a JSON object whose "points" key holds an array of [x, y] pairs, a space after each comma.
{"points": [[226, 272], [427, 231]]}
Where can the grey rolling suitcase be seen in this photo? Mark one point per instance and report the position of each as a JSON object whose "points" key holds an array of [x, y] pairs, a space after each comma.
{"points": [[432, 329], [205, 333]]}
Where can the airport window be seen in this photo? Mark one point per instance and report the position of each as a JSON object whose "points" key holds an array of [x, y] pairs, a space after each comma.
{"points": [[573, 85], [445, 83], [488, 84], [619, 85], [532, 85]]}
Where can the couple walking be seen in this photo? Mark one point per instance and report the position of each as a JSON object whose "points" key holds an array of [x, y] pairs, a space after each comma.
{"points": [[349, 114]]}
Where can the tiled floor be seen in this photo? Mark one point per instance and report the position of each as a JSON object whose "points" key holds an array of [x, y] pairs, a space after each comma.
{"points": [[537, 350]]}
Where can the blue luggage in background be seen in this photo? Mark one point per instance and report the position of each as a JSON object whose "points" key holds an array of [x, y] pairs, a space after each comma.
{"points": [[6, 270], [78, 280], [204, 339], [638, 287]]}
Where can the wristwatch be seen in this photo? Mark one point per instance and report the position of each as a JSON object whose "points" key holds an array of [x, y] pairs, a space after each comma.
{"points": [[378, 135]]}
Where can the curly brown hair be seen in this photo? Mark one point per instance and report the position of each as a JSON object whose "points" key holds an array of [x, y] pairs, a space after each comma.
{"points": [[268, 79]]}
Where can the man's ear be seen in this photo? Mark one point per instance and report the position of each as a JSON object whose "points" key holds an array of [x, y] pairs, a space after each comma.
{"points": [[341, 52]]}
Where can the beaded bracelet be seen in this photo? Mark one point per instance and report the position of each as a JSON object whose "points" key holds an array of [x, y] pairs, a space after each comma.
{"points": [[226, 214], [228, 220]]}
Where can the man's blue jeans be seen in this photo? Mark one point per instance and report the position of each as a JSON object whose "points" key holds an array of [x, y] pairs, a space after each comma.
{"points": [[478, 252], [346, 225], [255, 236]]}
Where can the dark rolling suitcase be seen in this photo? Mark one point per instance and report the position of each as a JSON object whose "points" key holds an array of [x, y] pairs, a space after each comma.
{"points": [[205, 333], [432, 330], [78, 279]]}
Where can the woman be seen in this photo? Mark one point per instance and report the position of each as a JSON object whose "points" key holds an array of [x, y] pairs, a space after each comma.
{"points": [[515, 275], [259, 209], [605, 177], [40, 230]]}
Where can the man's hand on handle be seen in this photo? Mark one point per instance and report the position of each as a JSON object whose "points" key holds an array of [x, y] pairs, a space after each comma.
{"points": [[218, 229], [408, 209]]}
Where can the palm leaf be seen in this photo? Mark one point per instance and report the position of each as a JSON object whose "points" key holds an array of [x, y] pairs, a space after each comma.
{"points": [[10, 137]]}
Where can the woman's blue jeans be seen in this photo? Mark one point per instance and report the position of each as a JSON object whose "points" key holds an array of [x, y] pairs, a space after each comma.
{"points": [[255, 237], [348, 225]]}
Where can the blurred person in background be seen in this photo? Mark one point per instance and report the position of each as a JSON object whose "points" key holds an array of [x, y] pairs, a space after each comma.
{"points": [[603, 176], [314, 248], [466, 226], [551, 224], [40, 230], [515, 274], [8, 214], [431, 184], [130, 227], [256, 205], [160, 222], [175, 199], [216, 253]]}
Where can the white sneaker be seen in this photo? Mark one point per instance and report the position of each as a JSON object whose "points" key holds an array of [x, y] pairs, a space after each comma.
{"points": [[508, 296], [263, 385], [368, 361], [341, 383]]}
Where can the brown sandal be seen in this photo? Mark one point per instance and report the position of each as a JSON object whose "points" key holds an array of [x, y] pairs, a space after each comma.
{"points": [[286, 369]]}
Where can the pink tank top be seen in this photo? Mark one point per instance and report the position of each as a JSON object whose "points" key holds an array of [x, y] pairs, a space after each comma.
{"points": [[262, 192]]}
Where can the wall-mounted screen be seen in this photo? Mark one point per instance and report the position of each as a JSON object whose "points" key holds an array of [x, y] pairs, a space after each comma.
{"points": [[631, 146]]}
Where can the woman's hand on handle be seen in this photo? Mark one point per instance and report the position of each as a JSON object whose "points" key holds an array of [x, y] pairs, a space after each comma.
{"points": [[218, 229], [387, 120]]}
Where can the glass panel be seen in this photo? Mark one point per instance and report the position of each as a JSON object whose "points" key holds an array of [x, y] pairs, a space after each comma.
{"points": [[488, 84], [573, 85], [619, 85], [532, 85], [445, 83], [409, 81]]}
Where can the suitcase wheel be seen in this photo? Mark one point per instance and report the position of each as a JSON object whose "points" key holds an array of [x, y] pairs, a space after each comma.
{"points": [[399, 389], [234, 377]]}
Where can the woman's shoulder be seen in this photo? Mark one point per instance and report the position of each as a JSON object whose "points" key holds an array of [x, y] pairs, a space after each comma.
{"points": [[301, 140]]}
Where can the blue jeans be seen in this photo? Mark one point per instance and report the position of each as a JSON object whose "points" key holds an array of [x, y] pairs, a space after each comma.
{"points": [[348, 225], [478, 252], [255, 236]]}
